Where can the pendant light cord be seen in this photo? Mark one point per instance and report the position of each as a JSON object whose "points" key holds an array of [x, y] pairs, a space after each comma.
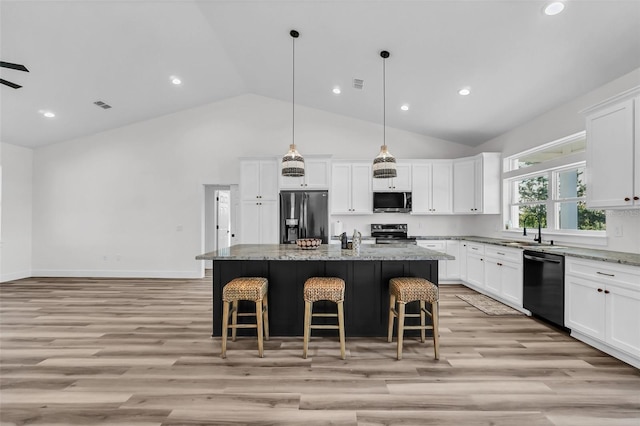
{"points": [[293, 90], [384, 102]]}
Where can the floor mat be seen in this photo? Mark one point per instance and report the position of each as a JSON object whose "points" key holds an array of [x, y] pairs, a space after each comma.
{"points": [[488, 305]]}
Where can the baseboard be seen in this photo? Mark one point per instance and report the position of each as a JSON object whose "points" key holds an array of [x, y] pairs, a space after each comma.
{"points": [[622, 356], [14, 276], [94, 273]]}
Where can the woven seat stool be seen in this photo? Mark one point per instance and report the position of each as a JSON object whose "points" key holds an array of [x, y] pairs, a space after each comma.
{"points": [[323, 288], [253, 289], [408, 289]]}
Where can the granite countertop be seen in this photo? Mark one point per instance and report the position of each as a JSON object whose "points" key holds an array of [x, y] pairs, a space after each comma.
{"points": [[324, 252], [623, 258]]}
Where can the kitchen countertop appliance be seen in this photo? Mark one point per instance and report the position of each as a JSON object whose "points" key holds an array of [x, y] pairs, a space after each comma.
{"points": [[543, 292], [304, 214], [395, 233]]}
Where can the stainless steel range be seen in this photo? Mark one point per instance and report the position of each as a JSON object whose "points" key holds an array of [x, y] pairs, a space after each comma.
{"points": [[395, 233]]}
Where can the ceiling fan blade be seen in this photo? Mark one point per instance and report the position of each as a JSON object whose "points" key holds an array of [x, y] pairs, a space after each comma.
{"points": [[10, 84], [18, 67]]}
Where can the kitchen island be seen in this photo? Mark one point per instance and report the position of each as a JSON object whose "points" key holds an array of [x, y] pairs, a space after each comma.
{"points": [[366, 274]]}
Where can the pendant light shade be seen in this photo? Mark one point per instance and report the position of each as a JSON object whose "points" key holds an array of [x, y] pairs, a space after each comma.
{"points": [[293, 162], [384, 165]]}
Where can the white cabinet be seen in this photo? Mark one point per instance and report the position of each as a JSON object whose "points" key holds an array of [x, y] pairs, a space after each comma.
{"points": [[402, 182], [462, 262], [351, 188], [258, 201], [259, 222], [259, 179], [476, 184], [448, 270], [432, 187], [317, 175], [602, 306], [613, 152], [475, 265], [503, 273]]}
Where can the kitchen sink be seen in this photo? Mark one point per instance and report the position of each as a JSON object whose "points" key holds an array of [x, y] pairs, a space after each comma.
{"points": [[529, 244]]}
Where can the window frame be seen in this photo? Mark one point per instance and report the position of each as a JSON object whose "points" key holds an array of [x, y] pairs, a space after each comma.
{"points": [[551, 169]]}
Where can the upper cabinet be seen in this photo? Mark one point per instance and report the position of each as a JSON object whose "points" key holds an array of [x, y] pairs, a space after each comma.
{"points": [[259, 179], [432, 187], [402, 182], [317, 175], [613, 152], [476, 184], [351, 188]]}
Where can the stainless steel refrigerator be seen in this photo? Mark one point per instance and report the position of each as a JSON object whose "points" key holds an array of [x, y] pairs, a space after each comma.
{"points": [[304, 214]]}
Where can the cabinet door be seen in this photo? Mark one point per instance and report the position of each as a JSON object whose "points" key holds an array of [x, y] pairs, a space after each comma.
{"points": [[584, 309], [441, 187], [249, 180], [269, 230], [463, 260], [341, 189], [453, 266], [250, 222], [493, 276], [475, 270], [622, 309], [381, 185], [464, 186], [610, 140], [421, 192], [511, 283], [317, 173], [361, 194], [268, 181], [441, 246], [402, 182]]}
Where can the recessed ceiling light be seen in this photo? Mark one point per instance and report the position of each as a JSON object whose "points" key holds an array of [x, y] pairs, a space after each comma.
{"points": [[554, 8], [175, 80], [464, 91], [336, 90], [405, 107], [46, 113]]}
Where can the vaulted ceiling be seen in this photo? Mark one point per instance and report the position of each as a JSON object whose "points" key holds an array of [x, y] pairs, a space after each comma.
{"points": [[517, 61]]}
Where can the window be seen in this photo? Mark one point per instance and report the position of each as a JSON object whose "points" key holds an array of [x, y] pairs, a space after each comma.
{"points": [[547, 186]]}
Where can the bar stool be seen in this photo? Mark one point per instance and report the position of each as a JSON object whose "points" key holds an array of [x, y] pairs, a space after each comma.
{"points": [[253, 289], [405, 290], [323, 288]]}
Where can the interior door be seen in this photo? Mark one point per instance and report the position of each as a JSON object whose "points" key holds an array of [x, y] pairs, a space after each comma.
{"points": [[223, 225]]}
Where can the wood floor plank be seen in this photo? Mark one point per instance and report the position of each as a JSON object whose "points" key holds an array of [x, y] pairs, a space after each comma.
{"points": [[139, 352]]}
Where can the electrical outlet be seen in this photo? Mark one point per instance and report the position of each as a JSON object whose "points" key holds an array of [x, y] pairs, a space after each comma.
{"points": [[617, 231]]}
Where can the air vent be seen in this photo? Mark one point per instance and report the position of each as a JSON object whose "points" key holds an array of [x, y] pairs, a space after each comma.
{"points": [[358, 83], [102, 105]]}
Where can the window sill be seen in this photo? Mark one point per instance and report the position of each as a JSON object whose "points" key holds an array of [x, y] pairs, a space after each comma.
{"points": [[559, 237]]}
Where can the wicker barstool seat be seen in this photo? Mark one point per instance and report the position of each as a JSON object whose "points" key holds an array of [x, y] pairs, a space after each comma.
{"points": [[253, 289], [404, 290], [323, 288]]}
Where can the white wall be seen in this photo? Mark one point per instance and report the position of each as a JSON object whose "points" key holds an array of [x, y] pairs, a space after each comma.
{"points": [[555, 124], [16, 208], [129, 202]]}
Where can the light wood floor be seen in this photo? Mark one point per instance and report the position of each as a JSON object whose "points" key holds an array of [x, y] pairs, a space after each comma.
{"points": [[139, 352]]}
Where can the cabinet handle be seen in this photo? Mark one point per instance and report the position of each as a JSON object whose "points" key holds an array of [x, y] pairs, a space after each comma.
{"points": [[599, 290], [607, 292], [602, 273], [499, 264], [474, 248], [636, 198], [627, 199], [502, 254]]}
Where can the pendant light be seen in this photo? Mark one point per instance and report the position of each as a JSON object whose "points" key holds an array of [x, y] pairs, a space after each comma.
{"points": [[293, 162], [384, 165]]}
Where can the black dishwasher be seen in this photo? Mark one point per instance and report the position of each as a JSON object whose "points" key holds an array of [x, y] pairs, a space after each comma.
{"points": [[543, 292]]}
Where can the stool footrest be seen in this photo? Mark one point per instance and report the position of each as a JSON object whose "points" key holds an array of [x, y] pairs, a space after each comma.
{"points": [[325, 315], [418, 327], [325, 327]]}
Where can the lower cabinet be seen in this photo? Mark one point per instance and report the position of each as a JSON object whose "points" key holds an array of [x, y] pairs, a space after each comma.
{"points": [[602, 306], [503, 274], [475, 266], [448, 270]]}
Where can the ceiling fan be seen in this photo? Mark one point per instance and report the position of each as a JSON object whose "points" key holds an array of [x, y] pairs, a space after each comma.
{"points": [[18, 67]]}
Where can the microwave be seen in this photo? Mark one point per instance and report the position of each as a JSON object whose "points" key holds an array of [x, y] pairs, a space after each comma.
{"points": [[392, 202]]}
